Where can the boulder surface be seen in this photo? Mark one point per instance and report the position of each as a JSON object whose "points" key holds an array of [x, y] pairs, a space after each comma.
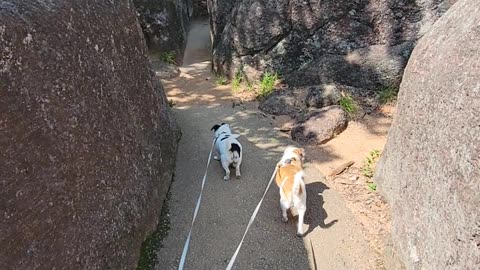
{"points": [[362, 43], [320, 125], [430, 168], [165, 25], [87, 141]]}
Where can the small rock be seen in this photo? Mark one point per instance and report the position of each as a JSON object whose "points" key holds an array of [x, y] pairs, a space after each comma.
{"points": [[354, 178], [319, 126]]}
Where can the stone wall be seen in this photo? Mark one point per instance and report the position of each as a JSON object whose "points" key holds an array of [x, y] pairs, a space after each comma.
{"points": [[430, 168], [363, 43], [87, 141], [165, 25]]}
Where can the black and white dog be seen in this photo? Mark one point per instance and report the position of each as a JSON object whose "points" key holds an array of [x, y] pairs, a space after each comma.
{"points": [[229, 149]]}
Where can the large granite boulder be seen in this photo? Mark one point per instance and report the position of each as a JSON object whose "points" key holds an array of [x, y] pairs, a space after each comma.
{"points": [[362, 43], [165, 25], [87, 140], [430, 168]]}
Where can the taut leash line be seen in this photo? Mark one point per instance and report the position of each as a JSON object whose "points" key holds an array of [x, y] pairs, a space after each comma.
{"points": [[187, 243], [252, 218]]}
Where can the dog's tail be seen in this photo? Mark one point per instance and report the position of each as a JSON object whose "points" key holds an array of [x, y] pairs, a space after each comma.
{"points": [[298, 185], [236, 150]]}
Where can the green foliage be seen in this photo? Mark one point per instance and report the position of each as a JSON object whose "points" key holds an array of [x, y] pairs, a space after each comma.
{"points": [[151, 245], [250, 86], [222, 80], [368, 168], [267, 83], [237, 81], [348, 103], [171, 103], [388, 94], [372, 186], [168, 57]]}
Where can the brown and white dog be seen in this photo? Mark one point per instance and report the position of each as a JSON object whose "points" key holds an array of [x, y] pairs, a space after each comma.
{"points": [[289, 179]]}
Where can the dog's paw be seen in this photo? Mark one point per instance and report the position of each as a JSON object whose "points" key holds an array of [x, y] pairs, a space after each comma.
{"points": [[300, 234], [216, 158], [238, 176], [226, 178], [285, 219]]}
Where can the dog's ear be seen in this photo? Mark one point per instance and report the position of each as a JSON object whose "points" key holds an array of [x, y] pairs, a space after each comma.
{"points": [[300, 152], [222, 124], [215, 128], [302, 155]]}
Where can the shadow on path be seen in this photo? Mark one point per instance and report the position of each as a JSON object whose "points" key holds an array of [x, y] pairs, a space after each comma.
{"points": [[316, 213]]}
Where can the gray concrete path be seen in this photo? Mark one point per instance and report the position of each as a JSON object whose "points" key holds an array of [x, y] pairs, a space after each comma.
{"points": [[331, 230]]}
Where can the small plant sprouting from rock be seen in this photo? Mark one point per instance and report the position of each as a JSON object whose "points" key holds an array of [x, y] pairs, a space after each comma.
{"points": [[250, 86], [372, 186], [237, 80], [222, 80], [348, 103], [368, 168], [171, 103], [267, 83], [388, 94], [168, 57]]}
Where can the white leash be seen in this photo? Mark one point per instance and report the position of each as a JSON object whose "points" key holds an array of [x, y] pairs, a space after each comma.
{"points": [[187, 243], [252, 218]]}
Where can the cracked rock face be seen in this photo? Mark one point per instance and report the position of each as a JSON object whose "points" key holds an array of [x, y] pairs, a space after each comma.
{"points": [[430, 168], [360, 43], [165, 25], [87, 141]]}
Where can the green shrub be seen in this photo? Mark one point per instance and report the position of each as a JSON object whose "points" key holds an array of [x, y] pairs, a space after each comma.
{"points": [[237, 81], [267, 83], [348, 104], [388, 94], [168, 57], [222, 80], [368, 168], [250, 86]]}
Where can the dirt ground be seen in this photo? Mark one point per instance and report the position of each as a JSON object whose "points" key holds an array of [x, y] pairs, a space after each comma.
{"points": [[350, 236]]}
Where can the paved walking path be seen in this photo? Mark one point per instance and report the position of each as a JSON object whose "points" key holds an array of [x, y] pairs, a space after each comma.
{"points": [[331, 229]]}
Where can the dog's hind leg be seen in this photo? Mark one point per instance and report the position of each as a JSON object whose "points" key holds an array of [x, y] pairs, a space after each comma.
{"points": [[284, 204], [301, 213], [237, 169], [299, 202], [226, 166], [216, 157]]}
